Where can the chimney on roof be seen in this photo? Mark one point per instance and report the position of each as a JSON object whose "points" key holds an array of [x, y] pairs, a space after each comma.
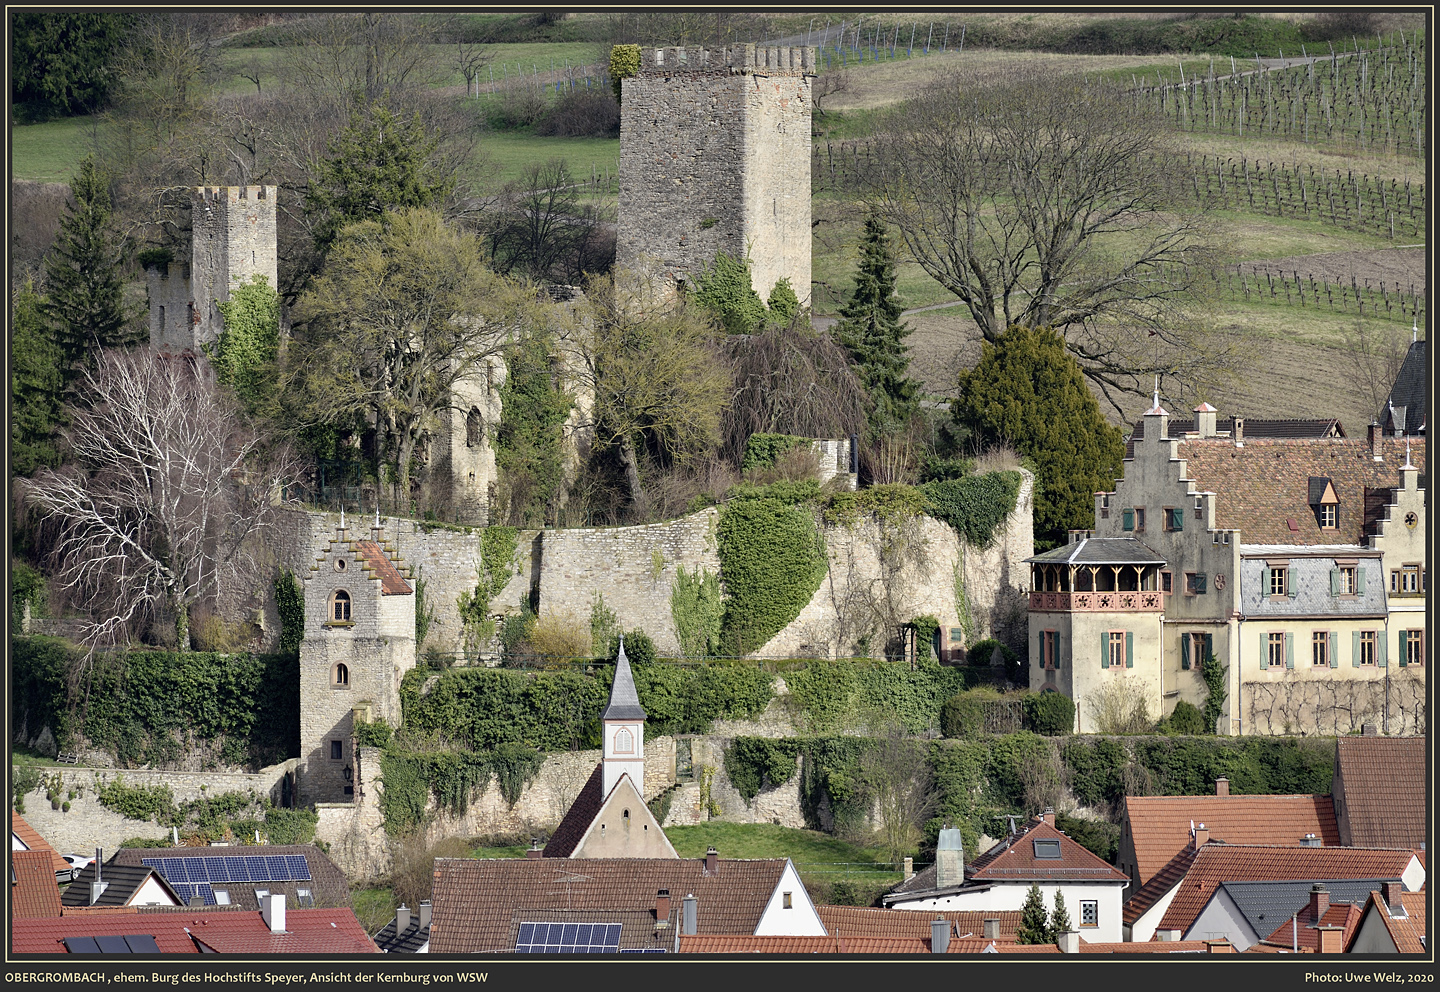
{"points": [[1205, 420], [1319, 902], [1392, 897], [662, 905], [1219, 947], [939, 936], [1311, 840], [949, 859], [272, 911], [1068, 942], [909, 869], [424, 913], [992, 930], [1200, 835], [1332, 940], [1048, 816], [97, 887], [712, 861], [1237, 431], [1222, 786], [377, 531], [535, 850], [1376, 433], [688, 915], [402, 919], [1368, 730]]}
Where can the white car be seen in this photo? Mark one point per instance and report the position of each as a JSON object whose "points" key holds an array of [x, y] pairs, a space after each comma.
{"points": [[77, 864]]}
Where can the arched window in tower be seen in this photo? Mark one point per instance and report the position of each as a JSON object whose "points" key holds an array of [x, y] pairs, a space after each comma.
{"points": [[474, 427], [340, 676], [340, 606], [624, 741]]}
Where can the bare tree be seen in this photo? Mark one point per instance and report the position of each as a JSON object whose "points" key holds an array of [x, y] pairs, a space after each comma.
{"points": [[898, 779], [826, 85], [1375, 351], [1040, 200], [469, 60], [167, 489]]}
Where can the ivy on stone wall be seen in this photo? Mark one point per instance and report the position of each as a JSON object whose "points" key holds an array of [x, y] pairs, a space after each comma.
{"points": [[832, 693], [492, 574], [290, 604], [697, 609], [976, 505], [761, 450], [453, 777]]}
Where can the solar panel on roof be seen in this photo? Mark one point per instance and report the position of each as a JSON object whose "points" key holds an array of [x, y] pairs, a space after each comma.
{"points": [[299, 867], [215, 869], [183, 891], [112, 944], [642, 950], [142, 943], [81, 945], [568, 938], [277, 868]]}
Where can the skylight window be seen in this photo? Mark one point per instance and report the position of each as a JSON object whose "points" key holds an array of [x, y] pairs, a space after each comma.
{"points": [[1047, 849]]}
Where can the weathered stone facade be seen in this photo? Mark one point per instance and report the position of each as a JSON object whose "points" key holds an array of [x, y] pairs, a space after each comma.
{"points": [[715, 156], [232, 239]]}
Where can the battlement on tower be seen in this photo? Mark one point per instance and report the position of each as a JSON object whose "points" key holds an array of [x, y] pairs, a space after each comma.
{"points": [[732, 60]]}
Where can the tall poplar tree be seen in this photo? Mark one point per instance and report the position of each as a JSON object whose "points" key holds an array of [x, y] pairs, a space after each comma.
{"points": [[871, 331]]}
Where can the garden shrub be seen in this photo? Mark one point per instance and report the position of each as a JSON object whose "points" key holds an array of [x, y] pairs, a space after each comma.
{"points": [[1184, 719], [1049, 713], [761, 450], [963, 715]]}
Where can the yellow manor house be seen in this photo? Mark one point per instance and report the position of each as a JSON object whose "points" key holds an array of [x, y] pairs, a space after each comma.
{"points": [[1290, 553]]}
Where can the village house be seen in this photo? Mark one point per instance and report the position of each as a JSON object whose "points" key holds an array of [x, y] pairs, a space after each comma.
{"points": [[1391, 923], [1292, 554]]}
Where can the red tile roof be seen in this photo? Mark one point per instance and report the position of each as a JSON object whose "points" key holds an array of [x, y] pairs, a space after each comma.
{"points": [[977, 945], [1146, 947], [34, 893], [327, 883], [226, 931], [1380, 792], [747, 944], [870, 922], [1303, 932], [1160, 883], [578, 817], [1016, 861], [392, 583], [1215, 863], [1266, 483], [34, 842], [1408, 931], [1159, 826], [475, 899]]}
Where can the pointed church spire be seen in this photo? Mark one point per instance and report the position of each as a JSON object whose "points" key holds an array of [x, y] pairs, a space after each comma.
{"points": [[1407, 456], [624, 700]]}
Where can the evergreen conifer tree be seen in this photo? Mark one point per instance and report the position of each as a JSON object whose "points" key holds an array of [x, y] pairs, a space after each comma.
{"points": [[85, 301], [1028, 392], [1059, 918], [871, 331], [35, 386], [1034, 922]]}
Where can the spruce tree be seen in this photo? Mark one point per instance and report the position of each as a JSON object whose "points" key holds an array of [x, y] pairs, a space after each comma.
{"points": [[1034, 922], [85, 301], [871, 331], [1059, 918], [36, 385]]}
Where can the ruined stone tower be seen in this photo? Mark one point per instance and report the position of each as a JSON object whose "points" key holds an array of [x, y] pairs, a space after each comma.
{"points": [[359, 643], [232, 238], [715, 156]]}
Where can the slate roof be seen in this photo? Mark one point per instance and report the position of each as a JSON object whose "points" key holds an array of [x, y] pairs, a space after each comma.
{"points": [[1410, 392], [34, 842], [1408, 931], [475, 899], [578, 817], [121, 883], [1159, 826], [868, 921], [1383, 802], [1266, 904], [1265, 484], [328, 885], [624, 700], [1303, 933], [1101, 551], [225, 931], [1216, 863], [34, 892], [378, 563]]}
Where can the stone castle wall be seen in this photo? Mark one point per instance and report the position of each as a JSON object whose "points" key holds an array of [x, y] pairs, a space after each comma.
{"points": [[714, 156], [233, 237]]}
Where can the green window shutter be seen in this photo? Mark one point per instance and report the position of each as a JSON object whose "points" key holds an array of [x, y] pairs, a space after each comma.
{"points": [[1289, 650], [1360, 581], [1381, 643], [1264, 651], [1355, 649], [1127, 519], [1404, 658], [1129, 649], [1104, 649], [1209, 646], [1334, 581], [1334, 649], [1290, 589], [1200, 583], [1059, 650], [1185, 652], [1177, 518]]}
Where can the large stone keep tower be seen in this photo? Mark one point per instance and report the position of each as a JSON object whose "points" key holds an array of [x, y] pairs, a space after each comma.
{"points": [[359, 643], [715, 156], [232, 238]]}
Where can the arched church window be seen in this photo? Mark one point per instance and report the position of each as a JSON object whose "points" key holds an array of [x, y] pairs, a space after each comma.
{"points": [[340, 606], [624, 741], [474, 427], [341, 676]]}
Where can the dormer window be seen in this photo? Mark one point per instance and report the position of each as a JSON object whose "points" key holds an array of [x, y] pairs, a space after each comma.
{"points": [[1047, 849], [1324, 502]]}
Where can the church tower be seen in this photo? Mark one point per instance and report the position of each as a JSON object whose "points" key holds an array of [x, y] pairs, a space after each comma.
{"points": [[624, 720], [359, 643]]}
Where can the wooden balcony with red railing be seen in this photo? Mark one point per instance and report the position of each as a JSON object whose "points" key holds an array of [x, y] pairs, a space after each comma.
{"points": [[1141, 601]]}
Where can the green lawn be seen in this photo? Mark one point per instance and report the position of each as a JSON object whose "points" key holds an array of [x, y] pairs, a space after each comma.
{"points": [[513, 151], [49, 152]]}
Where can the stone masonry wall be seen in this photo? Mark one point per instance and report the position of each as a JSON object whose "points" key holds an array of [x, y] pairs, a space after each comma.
{"points": [[233, 237]]}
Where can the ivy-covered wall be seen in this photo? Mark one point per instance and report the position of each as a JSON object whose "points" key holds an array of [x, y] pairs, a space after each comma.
{"points": [[156, 707]]}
